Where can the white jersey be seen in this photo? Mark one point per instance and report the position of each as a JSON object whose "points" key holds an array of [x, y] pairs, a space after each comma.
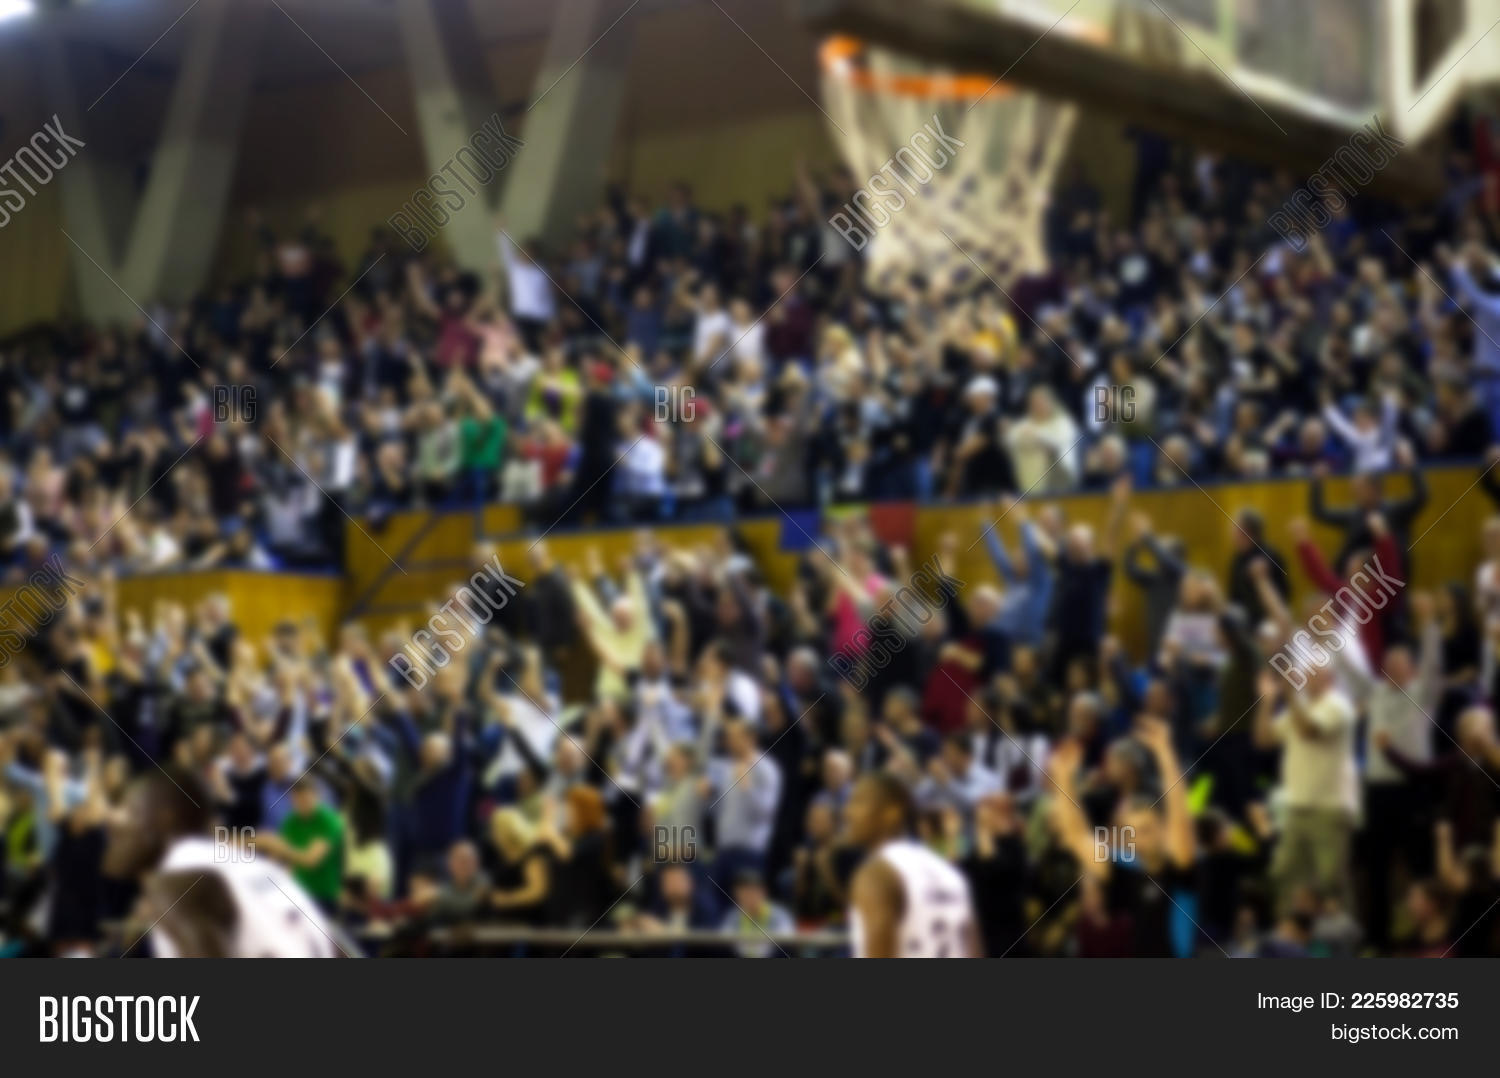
{"points": [[938, 918], [276, 917]]}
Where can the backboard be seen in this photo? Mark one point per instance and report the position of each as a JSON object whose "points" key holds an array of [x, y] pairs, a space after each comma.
{"points": [[1289, 78], [1339, 60]]}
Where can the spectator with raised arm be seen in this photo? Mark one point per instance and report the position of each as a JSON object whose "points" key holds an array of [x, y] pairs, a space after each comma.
{"points": [[1466, 270], [1314, 727], [1366, 595], [1354, 521], [1462, 779], [1027, 577], [1161, 580], [1248, 538], [532, 303], [1085, 570], [1370, 433], [1151, 851]]}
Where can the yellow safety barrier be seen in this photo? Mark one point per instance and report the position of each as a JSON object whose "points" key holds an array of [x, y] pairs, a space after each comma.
{"points": [[1200, 516], [437, 554]]}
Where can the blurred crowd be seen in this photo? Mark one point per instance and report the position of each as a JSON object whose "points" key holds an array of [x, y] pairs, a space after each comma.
{"points": [[672, 362], [667, 743]]}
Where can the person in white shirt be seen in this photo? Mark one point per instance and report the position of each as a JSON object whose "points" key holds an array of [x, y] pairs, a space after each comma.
{"points": [[1487, 595], [532, 301], [15, 512], [527, 711], [1371, 435], [713, 332], [1319, 782], [747, 334], [905, 900], [1043, 445], [638, 246], [641, 475]]}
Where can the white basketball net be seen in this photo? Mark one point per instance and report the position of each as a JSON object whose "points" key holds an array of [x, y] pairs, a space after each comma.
{"points": [[982, 213]]}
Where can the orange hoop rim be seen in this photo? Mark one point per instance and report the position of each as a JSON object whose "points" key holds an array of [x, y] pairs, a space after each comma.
{"points": [[837, 56]]}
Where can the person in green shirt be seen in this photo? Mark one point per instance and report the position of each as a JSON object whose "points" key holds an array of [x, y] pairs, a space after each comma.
{"points": [[312, 843], [481, 442], [481, 436]]}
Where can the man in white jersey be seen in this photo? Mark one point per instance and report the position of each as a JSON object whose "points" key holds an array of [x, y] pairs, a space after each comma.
{"points": [[906, 901], [203, 899]]}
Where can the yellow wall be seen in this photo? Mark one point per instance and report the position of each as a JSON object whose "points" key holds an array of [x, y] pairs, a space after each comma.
{"points": [[33, 250], [741, 162], [323, 142], [259, 600], [1450, 550], [731, 161], [33, 261], [409, 598]]}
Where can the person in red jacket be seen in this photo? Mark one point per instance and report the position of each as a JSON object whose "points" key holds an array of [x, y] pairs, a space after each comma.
{"points": [[1362, 596]]}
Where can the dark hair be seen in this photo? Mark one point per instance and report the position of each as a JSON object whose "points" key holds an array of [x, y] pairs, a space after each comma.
{"points": [[893, 790], [959, 742], [1463, 608], [182, 798]]}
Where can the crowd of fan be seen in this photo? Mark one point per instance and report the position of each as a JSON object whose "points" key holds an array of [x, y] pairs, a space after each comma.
{"points": [[683, 364], [665, 744]]}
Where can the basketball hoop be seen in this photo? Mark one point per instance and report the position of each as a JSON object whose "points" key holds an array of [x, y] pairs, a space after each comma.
{"points": [[990, 196]]}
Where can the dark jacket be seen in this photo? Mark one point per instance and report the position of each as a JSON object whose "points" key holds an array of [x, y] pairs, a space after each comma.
{"points": [[1398, 514], [1161, 581]]}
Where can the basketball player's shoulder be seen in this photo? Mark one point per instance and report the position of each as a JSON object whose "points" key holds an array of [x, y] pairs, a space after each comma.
{"points": [[877, 878], [193, 914], [913, 874], [281, 919], [251, 909], [906, 856], [932, 896]]}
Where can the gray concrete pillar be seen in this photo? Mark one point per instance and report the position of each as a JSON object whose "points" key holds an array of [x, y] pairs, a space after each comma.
{"points": [[570, 126], [455, 99], [172, 235], [176, 230]]}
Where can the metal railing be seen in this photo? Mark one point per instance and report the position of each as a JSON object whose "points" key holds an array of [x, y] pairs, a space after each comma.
{"points": [[519, 940]]}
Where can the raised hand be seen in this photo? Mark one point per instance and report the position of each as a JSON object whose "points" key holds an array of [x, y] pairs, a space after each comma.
{"points": [[1155, 734], [1063, 764]]}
